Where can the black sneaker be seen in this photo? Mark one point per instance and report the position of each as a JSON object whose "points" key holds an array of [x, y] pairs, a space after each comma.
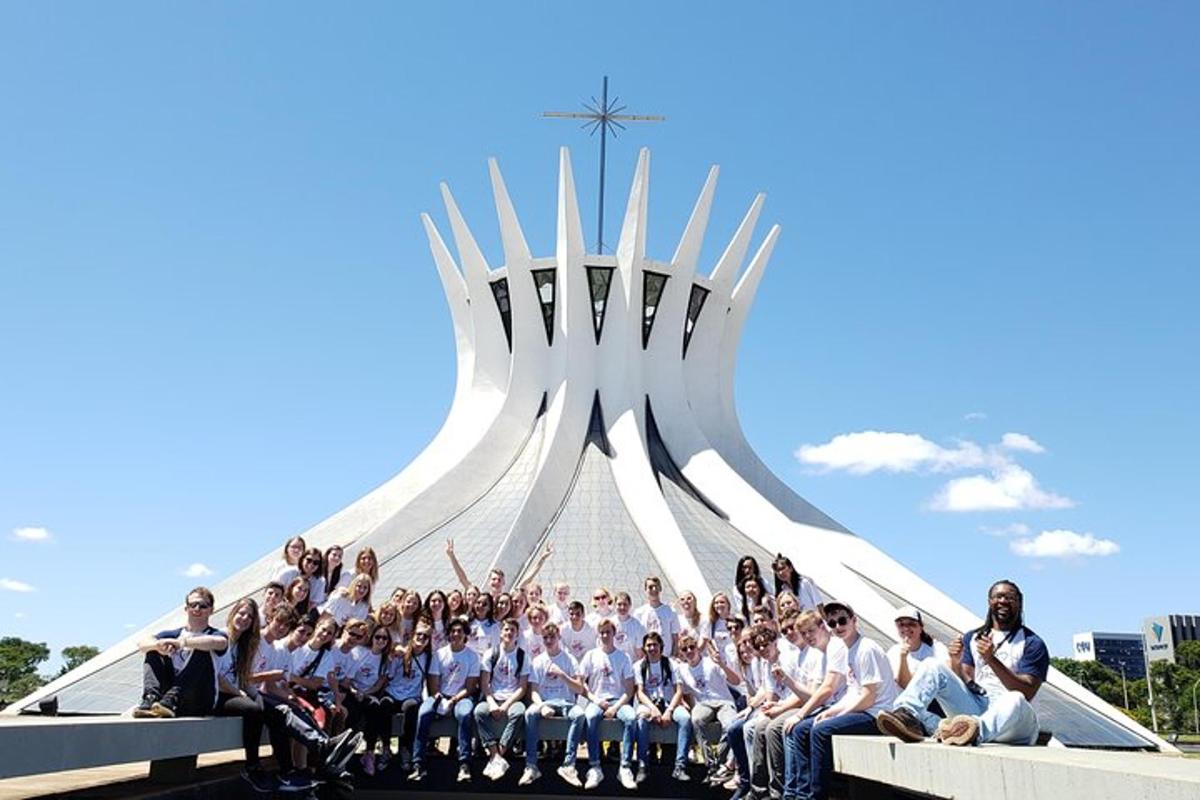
{"points": [[260, 780], [339, 750], [901, 723]]}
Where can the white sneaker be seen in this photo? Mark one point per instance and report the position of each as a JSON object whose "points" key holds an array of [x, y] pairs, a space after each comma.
{"points": [[570, 775], [464, 773], [531, 774], [594, 777], [499, 768], [625, 776]]}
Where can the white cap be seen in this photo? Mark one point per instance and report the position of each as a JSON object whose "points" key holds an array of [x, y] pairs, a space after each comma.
{"points": [[908, 612]]}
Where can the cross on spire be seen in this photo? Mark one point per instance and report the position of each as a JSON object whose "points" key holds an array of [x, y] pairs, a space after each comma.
{"points": [[604, 116]]}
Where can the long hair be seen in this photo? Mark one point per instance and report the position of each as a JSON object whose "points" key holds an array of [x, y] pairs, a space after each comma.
{"points": [[428, 610], [693, 618], [246, 644], [747, 567], [349, 592], [334, 575], [713, 616], [793, 583], [762, 589], [374, 571], [490, 616], [304, 605], [312, 552], [288, 544]]}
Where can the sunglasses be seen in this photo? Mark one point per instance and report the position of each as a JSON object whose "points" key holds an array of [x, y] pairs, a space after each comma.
{"points": [[311, 560], [687, 648], [379, 638], [199, 605], [835, 622], [599, 597]]}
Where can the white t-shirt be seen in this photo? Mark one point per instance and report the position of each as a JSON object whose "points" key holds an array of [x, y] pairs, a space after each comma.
{"points": [[650, 679], [304, 656], [316, 590], [868, 664], [411, 686], [704, 682], [456, 668], [483, 636], [661, 620], [225, 665], [270, 656], [438, 637], [684, 625], [628, 636], [532, 643], [837, 659], [1021, 650], [937, 652], [364, 669], [553, 687], [716, 632], [594, 617], [342, 608], [285, 574], [789, 661], [342, 663], [606, 673], [505, 677], [578, 642], [557, 614]]}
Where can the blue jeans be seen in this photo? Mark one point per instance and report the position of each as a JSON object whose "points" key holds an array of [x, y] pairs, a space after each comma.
{"points": [[808, 752], [486, 725], [533, 720], [735, 735], [683, 735], [425, 718], [592, 718], [1006, 717]]}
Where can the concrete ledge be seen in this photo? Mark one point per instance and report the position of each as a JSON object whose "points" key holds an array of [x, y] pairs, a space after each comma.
{"points": [[33, 745], [1054, 773]]}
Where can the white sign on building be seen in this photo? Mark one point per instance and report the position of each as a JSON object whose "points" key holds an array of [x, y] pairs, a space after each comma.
{"points": [[1160, 644]]}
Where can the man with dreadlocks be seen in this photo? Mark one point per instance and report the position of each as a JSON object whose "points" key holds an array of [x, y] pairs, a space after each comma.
{"points": [[994, 673]]}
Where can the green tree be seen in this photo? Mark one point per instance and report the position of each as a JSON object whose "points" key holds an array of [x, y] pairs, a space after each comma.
{"points": [[19, 661], [1187, 654], [77, 655]]}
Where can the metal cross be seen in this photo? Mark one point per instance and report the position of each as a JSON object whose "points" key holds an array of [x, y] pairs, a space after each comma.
{"points": [[606, 117]]}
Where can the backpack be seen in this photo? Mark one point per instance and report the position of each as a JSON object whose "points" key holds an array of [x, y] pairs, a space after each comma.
{"points": [[496, 657]]}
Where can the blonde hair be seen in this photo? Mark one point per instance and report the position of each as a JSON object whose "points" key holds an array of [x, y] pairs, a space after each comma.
{"points": [[349, 593]]}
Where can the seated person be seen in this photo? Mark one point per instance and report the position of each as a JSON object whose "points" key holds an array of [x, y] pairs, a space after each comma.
{"points": [[608, 674], [178, 674], [504, 679], [457, 668], [660, 702], [554, 688], [994, 673]]}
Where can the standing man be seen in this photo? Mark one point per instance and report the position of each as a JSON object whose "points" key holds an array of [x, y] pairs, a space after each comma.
{"points": [[994, 673], [658, 617], [178, 675]]}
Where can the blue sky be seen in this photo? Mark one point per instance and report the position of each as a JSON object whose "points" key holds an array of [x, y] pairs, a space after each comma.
{"points": [[219, 321]]}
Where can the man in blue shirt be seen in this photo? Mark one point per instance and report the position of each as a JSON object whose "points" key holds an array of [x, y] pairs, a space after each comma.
{"points": [[994, 673], [178, 678]]}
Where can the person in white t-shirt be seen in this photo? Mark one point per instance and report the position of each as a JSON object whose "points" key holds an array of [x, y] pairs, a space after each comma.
{"points": [[657, 616], [531, 634], [715, 626], [689, 614], [786, 577], [484, 630], [629, 635], [870, 688], [608, 674], [458, 681], [354, 601], [660, 702], [363, 684], [336, 576], [558, 606], [504, 679], [554, 688], [578, 637], [602, 607], [914, 646], [289, 565], [412, 671], [796, 687], [272, 597], [312, 567], [777, 699]]}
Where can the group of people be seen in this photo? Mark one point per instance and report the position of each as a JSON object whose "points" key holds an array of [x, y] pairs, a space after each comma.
{"points": [[758, 683]]}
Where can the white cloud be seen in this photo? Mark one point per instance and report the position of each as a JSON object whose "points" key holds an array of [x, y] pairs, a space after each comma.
{"points": [[15, 586], [1063, 544], [196, 570], [1015, 529], [1005, 486], [20, 615], [972, 416], [864, 452], [1019, 441], [32, 535], [1010, 488]]}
